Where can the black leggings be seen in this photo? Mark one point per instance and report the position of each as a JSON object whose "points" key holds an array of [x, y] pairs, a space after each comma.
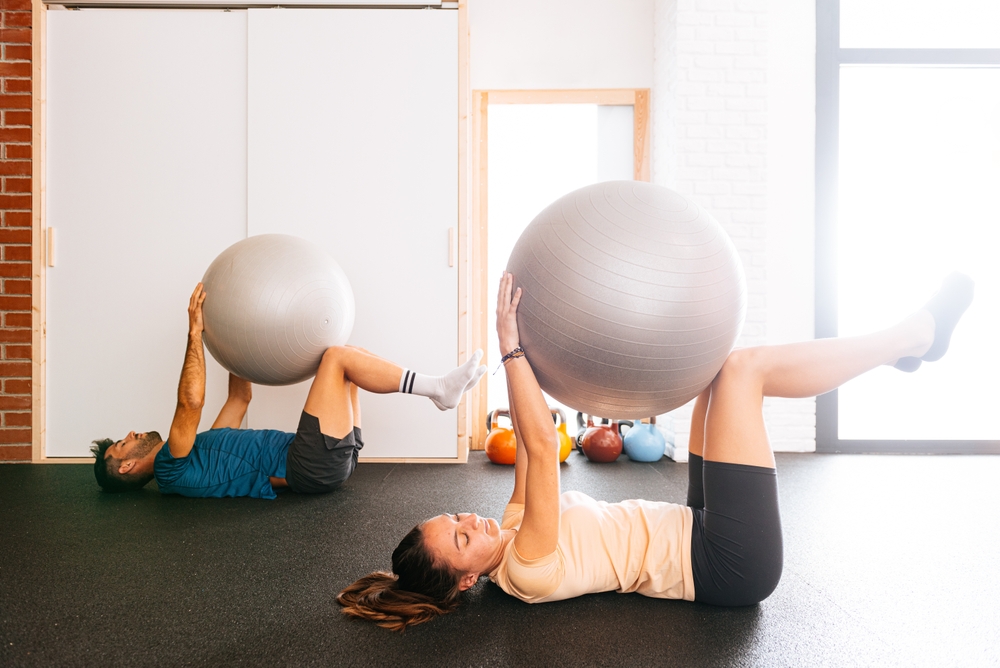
{"points": [[736, 550]]}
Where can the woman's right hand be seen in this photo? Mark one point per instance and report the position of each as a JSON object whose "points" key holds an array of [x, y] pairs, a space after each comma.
{"points": [[507, 314]]}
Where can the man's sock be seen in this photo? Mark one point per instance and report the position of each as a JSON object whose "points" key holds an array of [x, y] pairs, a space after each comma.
{"points": [[947, 307], [445, 391]]}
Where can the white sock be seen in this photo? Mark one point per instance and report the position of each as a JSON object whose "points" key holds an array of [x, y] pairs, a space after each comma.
{"points": [[445, 391]]}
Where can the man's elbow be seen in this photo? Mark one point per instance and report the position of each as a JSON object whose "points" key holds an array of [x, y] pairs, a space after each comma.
{"points": [[191, 403]]}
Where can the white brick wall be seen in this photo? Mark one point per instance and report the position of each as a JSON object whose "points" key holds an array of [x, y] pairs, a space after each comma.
{"points": [[710, 114]]}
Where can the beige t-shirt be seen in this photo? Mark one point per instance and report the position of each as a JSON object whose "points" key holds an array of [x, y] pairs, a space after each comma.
{"points": [[632, 546]]}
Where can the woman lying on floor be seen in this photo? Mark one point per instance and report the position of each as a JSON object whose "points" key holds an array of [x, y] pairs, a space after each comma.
{"points": [[723, 548]]}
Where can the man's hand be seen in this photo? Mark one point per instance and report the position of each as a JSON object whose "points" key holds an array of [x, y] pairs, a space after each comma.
{"points": [[196, 319], [507, 314]]}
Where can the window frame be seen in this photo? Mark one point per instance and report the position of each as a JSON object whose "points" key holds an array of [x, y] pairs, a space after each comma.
{"points": [[829, 57]]}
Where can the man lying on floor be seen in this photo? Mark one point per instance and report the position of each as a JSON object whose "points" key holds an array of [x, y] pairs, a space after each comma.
{"points": [[229, 461]]}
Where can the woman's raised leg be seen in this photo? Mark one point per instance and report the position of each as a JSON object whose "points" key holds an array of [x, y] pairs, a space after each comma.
{"points": [[735, 430], [696, 449], [734, 425], [736, 544]]}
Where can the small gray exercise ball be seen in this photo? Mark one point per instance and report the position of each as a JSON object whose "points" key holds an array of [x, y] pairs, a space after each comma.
{"points": [[274, 303], [633, 296]]}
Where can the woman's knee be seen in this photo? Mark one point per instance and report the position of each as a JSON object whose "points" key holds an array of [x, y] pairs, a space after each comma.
{"points": [[742, 364]]}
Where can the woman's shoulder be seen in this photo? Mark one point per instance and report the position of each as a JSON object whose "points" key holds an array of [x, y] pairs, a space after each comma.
{"points": [[513, 514], [530, 580]]}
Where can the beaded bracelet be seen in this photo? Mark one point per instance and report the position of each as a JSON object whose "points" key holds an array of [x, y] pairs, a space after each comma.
{"points": [[514, 354], [517, 352]]}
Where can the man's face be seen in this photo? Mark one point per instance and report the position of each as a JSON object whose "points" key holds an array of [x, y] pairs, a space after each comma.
{"points": [[133, 446]]}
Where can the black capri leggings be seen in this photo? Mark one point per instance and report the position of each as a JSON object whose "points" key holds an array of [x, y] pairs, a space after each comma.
{"points": [[736, 551]]}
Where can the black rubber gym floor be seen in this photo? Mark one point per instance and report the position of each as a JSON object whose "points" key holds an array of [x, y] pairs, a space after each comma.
{"points": [[888, 561]]}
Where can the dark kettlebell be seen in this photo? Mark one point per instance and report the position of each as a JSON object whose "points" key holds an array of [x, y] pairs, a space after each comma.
{"points": [[601, 443]]}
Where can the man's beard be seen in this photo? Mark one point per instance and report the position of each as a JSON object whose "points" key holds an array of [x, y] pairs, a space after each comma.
{"points": [[143, 447]]}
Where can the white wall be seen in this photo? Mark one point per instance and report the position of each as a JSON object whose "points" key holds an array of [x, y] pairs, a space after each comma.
{"points": [[146, 166], [733, 128], [790, 252], [543, 44], [381, 206], [791, 127]]}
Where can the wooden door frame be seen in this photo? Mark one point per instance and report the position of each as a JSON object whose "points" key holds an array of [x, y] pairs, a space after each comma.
{"points": [[39, 254], [638, 98]]}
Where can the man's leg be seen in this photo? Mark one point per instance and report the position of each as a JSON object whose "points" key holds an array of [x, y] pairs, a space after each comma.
{"points": [[324, 452], [333, 394], [330, 395]]}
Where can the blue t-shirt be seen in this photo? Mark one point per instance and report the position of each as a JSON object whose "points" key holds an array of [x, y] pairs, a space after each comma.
{"points": [[225, 462]]}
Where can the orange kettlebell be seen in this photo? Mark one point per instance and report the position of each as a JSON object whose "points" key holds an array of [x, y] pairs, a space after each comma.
{"points": [[565, 442], [501, 446], [601, 443]]}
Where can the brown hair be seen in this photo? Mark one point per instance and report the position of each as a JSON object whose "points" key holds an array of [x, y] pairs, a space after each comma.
{"points": [[417, 590]]}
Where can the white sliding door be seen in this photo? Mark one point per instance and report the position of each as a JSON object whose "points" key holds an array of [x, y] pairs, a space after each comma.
{"points": [[353, 144], [146, 169]]}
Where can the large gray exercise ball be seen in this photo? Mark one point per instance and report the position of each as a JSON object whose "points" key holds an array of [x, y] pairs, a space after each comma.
{"points": [[633, 297], [274, 304]]}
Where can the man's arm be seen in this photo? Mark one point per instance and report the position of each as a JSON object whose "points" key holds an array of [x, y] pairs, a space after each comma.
{"points": [[236, 404], [191, 390]]}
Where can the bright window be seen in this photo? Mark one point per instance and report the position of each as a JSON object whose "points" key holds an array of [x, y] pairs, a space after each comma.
{"points": [[919, 175], [907, 171], [538, 153], [923, 24]]}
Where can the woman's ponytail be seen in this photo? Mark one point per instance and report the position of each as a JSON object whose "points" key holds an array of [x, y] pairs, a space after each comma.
{"points": [[416, 591]]}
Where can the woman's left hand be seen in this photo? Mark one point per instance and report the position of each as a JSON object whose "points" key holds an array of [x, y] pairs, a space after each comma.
{"points": [[507, 314]]}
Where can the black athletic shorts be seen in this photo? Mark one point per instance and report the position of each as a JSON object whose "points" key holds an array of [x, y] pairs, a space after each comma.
{"points": [[736, 548], [319, 463]]}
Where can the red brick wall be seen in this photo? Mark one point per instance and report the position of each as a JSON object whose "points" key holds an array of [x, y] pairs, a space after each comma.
{"points": [[15, 230]]}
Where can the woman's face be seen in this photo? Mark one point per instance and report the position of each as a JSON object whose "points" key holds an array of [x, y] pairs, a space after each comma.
{"points": [[466, 542]]}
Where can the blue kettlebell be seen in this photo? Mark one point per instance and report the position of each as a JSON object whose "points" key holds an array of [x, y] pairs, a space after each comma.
{"points": [[644, 442]]}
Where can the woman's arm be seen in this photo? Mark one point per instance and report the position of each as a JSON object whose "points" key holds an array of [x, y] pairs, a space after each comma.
{"points": [[535, 433], [521, 458]]}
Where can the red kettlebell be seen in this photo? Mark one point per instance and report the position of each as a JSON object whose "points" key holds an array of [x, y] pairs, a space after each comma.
{"points": [[501, 445], [601, 443]]}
